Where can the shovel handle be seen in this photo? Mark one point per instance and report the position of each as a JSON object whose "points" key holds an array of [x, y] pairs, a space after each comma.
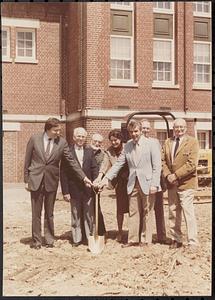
{"points": [[97, 198]]}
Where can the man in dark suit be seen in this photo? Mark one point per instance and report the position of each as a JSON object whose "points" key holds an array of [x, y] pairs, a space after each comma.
{"points": [[41, 176], [80, 196]]}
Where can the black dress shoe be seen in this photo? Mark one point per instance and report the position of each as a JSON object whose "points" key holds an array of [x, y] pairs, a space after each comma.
{"points": [[175, 245], [130, 244], [76, 244], [37, 247], [49, 246]]}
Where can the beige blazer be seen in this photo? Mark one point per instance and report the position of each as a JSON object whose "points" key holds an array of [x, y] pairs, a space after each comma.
{"points": [[185, 163]]}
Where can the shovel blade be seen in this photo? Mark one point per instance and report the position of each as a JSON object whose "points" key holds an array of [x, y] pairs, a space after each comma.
{"points": [[96, 244]]}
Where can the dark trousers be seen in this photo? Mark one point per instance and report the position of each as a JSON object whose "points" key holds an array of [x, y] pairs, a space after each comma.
{"points": [[101, 223], [159, 216], [37, 199]]}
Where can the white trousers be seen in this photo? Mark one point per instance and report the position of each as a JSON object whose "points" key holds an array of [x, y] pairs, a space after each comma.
{"points": [[182, 201]]}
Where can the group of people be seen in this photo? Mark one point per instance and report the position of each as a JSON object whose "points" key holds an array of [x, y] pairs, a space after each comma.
{"points": [[139, 171]]}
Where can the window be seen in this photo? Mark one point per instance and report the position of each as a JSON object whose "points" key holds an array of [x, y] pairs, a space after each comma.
{"points": [[202, 8], [162, 61], [5, 44], [202, 64], [121, 60], [122, 5], [163, 6], [121, 44], [203, 138], [163, 45], [25, 45], [161, 136]]}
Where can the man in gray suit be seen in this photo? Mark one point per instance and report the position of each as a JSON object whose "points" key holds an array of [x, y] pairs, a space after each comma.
{"points": [[158, 207], [41, 176], [144, 163]]}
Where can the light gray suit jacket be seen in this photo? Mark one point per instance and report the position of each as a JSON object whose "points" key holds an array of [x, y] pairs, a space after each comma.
{"points": [[147, 169]]}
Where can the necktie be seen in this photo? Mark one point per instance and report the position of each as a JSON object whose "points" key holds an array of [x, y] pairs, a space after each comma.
{"points": [[176, 146], [48, 148]]}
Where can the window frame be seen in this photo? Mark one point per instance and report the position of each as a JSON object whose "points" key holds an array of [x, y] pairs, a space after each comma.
{"points": [[124, 81], [200, 85], [202, 14], [7, 58], [163, 132], [165, 83], [122, 7], [26, 59], [164, 10], [207, 144]]}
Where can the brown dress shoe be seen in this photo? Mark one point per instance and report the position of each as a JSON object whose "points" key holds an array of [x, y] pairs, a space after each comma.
{"points": [[175, 245]]}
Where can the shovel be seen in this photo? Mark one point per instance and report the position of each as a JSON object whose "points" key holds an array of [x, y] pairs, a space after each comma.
{"points": [[96, 243]]}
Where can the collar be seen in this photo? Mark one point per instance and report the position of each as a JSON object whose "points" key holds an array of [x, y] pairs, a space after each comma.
{"points": [[46, 136], [78, 148]]}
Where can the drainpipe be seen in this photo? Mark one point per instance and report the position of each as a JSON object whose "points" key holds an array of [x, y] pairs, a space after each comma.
{"points": [[185, 86], [80, 105], [60, 68]]}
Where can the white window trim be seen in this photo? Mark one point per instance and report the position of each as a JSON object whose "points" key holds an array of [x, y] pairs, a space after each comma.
{"points": [[122, 7], [16, 22], [165, 10], [7, 58], [170, 84], [206, 137], [203, 86], [202, 14], [25, 59]]}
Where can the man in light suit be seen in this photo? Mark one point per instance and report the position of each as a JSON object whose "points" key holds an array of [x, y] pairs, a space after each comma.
{"points": [[158, 207], [80, 197], [144, 163], [180, 159], [41, 176]]}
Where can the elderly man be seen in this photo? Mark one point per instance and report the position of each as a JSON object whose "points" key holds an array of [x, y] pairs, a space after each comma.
{"points": [[158, 207], [144, 163], [80, 196], [44, 152], [180, 159], [96, 144]]}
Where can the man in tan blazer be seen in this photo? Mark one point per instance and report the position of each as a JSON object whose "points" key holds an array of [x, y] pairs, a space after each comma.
{"points": [[180, 159]]}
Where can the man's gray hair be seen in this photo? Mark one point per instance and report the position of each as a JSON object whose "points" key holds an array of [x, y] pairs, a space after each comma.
{"points": [[79, 130]]}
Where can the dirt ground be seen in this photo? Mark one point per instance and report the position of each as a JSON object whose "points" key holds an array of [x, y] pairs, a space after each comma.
{"points": [[67, 271]]}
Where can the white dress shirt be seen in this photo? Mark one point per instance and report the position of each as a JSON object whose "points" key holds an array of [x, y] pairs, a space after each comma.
{"points": [[45, 142], [80, 154]]}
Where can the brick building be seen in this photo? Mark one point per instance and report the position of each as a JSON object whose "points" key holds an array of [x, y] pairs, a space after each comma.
{"points": [[91, 64]]}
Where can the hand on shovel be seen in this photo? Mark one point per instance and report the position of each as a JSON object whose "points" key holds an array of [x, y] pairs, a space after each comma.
{"points": [[98, 186]]}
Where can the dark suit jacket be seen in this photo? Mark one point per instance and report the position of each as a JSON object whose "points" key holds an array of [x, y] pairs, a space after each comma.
{"points": [[70, 184], [36, 167]]}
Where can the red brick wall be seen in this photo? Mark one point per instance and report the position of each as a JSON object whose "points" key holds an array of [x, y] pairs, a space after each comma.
{"points": [[100, 95], [34, 88]]}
